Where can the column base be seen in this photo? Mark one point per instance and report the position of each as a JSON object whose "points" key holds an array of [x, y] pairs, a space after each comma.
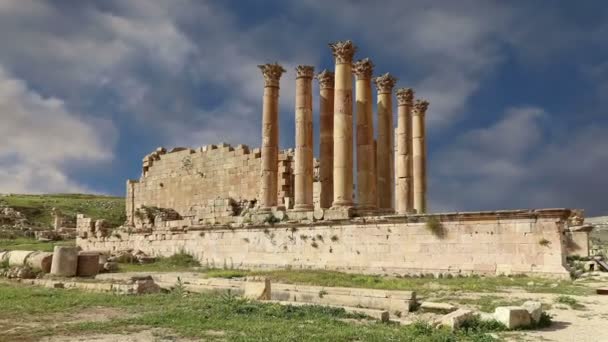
{"points": [[303, 207]]}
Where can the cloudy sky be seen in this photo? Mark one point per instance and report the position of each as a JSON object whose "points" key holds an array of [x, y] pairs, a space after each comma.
{"points": [[518, 91]]}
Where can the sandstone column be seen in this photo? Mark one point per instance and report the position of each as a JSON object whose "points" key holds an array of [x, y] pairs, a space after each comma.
{"points": [[303, 155], [404, 196], [343, 124], [366, 178], [419, 155], [270, 135], [326, 137], [385, 159]]}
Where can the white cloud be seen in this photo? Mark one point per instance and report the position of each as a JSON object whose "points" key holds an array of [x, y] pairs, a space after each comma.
{"points": [[40, 137]]}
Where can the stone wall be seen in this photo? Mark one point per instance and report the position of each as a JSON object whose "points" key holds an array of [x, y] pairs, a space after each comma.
{"points": [[192, 181], [504, 242]]}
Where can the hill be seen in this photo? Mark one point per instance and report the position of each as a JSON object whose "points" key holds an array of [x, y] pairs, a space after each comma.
{"points": [[37, 208]]}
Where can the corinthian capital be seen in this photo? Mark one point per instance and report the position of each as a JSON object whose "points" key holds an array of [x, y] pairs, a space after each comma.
{"points": [[326, 79], [363, 69], [385, 83], [305, 71], [420, 107], [272, 74], [405, 96], [343, 51]]}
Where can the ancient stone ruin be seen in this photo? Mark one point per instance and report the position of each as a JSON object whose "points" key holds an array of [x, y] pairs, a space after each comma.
{"points": [[239, 207]]}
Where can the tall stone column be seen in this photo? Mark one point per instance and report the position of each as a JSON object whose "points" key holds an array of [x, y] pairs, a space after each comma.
{"points": [[366, 178], [270, 135], [343, 124], [419, 155], [404, 196], [326, 137], [303, 155], [384, 153]]}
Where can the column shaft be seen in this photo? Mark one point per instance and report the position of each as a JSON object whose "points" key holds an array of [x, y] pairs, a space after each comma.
{"points": [[270, 135], [385, 145], [343, 124], [326, 137], [419, 156], [404, 196], [303, 197], [366, 178]]}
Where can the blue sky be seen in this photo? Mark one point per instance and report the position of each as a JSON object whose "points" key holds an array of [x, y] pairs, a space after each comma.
{"points": [[517, 89]]}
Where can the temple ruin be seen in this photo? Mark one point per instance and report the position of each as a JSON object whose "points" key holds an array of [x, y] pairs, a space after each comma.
{"points": [[240, 207]]}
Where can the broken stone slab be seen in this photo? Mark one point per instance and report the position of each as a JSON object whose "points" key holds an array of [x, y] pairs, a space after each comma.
{"points": [[88, 264], [512, 316], [145, 285], [381, 315], [40, 261], [110, 266], [442, 308], [602, 291], [65, 261], [535, 309], [258, 290], [454, 319]]}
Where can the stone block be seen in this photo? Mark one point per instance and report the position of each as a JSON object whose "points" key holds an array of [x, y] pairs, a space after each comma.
{"points": [[442, 308], [512, 316], [88, 264], [454, 319], [258, 290], [65, 261], [535, 309]]}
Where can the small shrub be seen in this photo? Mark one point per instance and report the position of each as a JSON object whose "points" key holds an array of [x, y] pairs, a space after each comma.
{"points": [[320, 237], [433, 224], [476, 325], [571, 302], [322, 293], [181, 259], [4, 264], [544, 242], [334, 238], [293, 229], [179, 288]]}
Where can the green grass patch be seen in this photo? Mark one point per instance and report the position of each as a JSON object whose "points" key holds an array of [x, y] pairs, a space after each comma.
{"points": [[570, 301], [29, 244], [179, 262], [37, 208], [196, 315]]}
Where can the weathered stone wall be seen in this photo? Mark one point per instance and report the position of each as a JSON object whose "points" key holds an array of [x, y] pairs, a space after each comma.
{"points": [[192, 181], [531, 242]]}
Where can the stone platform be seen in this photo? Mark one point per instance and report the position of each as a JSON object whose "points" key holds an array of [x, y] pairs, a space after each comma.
{"points": [[492, 243]]}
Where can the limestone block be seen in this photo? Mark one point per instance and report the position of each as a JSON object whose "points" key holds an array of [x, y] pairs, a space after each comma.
{"points": [[443, 308], [4, 256], [65, 261], [18, 258], [258, 290], [454, 319], [512, 316], [88, 264], [40, 261], [535, 309]]}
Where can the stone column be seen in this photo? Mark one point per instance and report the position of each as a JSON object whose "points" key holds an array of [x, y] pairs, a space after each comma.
{"points": [[419, 155], [385, 159], [343, 124], [366, 178], [270, 135], [404, 196], [326, 137], [57, 219], [303, 155]]}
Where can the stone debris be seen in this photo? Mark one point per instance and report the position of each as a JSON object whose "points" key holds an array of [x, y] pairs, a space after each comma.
{"points": [[18, 272], [512, 316], [454, 319], [144, 285], [131, 256], [442, 308], [110, 266], [535, 309]]}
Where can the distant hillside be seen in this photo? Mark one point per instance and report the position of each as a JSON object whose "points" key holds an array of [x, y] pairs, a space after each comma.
{"points": [[37, 208]]}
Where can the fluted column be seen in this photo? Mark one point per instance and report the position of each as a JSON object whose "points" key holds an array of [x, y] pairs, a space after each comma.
{"points": [[419, 155], [366, 178], [303, 199], [343, 124], [384, 153], [270, 135], [404, 196], [326, 137]]}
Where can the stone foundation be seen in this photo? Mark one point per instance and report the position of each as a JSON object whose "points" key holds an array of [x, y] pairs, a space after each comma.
{"points": [[493, 243]]}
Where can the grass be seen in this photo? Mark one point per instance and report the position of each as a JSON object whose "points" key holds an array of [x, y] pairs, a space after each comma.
{"points": [[484, 303], [29, 244], [37, 208], [179, 262], [571, 302], [196, 315]]}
